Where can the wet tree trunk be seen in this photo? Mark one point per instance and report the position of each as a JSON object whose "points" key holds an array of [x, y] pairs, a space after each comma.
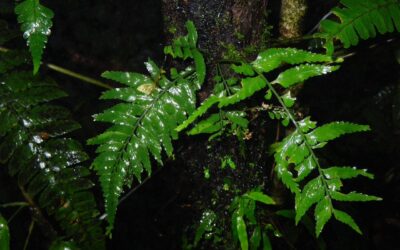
{"points": [[220, 23]]}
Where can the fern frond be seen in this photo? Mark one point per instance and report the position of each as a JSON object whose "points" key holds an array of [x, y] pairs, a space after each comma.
{"points": [[46, 164], [143, 125], [362, 19], [298, 149], [35, 20], [186, 47]]}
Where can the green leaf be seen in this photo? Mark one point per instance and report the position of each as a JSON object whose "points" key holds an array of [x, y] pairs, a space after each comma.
{"points": [[242, 232], [192, 33], [361, 19], [301, 73], [208, 126], [266, 242], [255, 239], [4, 234], [346, 173], [200, 65], [323, 212], [35, 20], [312, 193], [130, 79], [207, 104], [288, 99], [237, 118], [346, 219], [353, 196], [152, 68], [334, 130], [250, 85], [260, 196], [273, 58]]}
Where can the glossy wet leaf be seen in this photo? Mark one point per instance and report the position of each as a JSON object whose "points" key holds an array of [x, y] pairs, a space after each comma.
{"points": [[273, 58], [44, 162], [353, 196], [312, 193], [4, 234], [301, 73], [334, 130], [35, 20], [242, 232], [288, 99], [346, 173], [255, 239], [207, 224], [323, 212]]}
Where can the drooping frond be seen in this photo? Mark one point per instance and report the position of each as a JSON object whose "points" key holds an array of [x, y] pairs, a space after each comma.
{"points": [[47, 164], [143, 123], [361, 19], [297, 150], [35, 20]]}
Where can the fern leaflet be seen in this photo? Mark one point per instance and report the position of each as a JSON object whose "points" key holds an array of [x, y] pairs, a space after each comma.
{"points": [[36, 23]]}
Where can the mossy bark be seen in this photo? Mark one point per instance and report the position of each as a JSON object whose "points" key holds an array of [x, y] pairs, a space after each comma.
{"points": [[291, 18], [220, 23]]}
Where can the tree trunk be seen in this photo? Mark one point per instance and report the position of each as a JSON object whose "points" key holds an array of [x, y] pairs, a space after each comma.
{"points": [[220, 24]]}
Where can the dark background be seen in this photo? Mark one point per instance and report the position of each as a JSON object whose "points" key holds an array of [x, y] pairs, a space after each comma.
{"points": [[93, 36]]}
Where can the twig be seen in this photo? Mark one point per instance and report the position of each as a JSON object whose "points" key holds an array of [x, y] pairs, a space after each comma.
{"points": [[15, 204], [70, 73], [31, 226]]}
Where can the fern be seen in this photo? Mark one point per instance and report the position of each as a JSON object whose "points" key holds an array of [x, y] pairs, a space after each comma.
{"points": [[298, 148], [47, 164], [143, 124], [265, 62], [361, 19], [36, 23]]}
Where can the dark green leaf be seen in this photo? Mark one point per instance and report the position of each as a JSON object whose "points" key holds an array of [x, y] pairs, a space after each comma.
{"points": [[35, 20]]}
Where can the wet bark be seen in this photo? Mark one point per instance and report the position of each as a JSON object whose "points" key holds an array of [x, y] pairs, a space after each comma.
{"points": [[219, 23]]}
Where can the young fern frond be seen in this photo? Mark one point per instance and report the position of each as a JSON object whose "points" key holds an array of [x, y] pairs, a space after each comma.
{"points": [[361, 19], [143, 124], [47, 164], [35, 20]]}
